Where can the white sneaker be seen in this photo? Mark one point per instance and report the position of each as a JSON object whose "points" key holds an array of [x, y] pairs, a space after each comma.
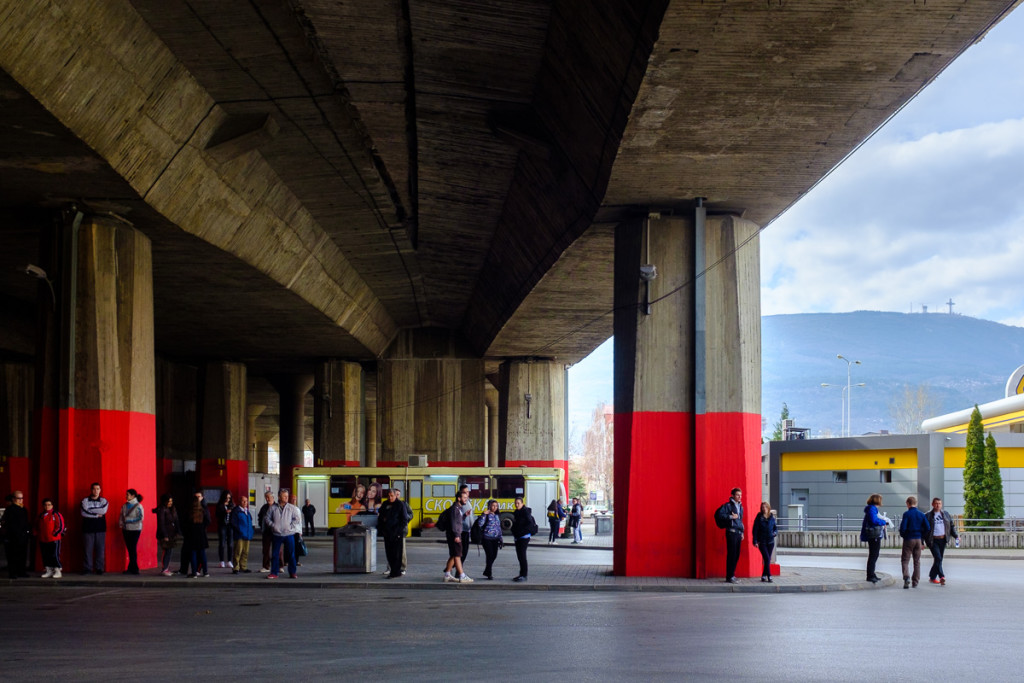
{"points": [[56, 573], [221, 565], [231, 565], [48, 573], [448, 578], [464, 579], [264, 570], [387, 571]]}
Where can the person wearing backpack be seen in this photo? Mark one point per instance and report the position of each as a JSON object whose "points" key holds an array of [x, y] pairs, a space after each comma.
{"points": [[456, 522], [730, 517], [524, 527], [488, 526], [556, 513]]}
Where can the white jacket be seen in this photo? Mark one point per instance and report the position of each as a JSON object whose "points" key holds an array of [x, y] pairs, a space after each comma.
{"points": [[284, 521]]}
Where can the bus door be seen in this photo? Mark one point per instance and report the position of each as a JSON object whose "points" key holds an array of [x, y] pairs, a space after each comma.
{"points": [[316, 491]]}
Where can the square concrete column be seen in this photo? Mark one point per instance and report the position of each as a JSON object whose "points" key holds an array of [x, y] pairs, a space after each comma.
{"points": [[16, 397], [687, 391], [531, 422], [223, 462], [338, 415]]}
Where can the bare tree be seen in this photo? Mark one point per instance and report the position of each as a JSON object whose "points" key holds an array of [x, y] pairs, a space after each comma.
{"points": [[595, 459], [911, 406]]}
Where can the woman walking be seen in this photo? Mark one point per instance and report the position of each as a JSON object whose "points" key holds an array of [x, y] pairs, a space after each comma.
{"points": [[523, 527], [130, 522], [765, 531], [50, 529], [872, 531], [225, 533], [167, 531], [490, 538]]}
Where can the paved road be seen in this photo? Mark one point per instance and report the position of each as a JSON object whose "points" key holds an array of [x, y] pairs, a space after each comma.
{"points": [[969, 630]]}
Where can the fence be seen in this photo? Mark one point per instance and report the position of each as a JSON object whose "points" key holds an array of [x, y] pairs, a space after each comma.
{"points": [[841, 531]]}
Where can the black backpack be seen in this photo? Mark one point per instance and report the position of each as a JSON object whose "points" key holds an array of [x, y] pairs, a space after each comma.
{"points": [[722, 518], [534, 529], [444, 520], [476, 532]]}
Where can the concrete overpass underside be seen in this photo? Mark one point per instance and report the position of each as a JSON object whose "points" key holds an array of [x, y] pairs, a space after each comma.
{"points": [[418, 205]]}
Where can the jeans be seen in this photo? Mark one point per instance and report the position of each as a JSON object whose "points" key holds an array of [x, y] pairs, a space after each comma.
{"points": [[199, 561], [874, 546], [766, 558], [577, 531], [225, 539], [553, 523], [288, 544], [521, 545], [95, 551], [938, 551], [490, 552], [131, 543], [165, 557]]}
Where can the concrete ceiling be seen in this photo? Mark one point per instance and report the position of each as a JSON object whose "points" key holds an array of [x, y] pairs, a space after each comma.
{"points": [[316, 175]]}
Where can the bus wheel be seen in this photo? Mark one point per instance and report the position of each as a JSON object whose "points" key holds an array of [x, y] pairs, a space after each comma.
{"points": [[506, 521]]}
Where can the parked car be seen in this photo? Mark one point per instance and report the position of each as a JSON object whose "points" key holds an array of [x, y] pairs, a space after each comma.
{"points": [[591, 510]]}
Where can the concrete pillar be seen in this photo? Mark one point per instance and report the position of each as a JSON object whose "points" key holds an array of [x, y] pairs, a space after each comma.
{"points": [[292, 391], [95, 372], [687, 391], [16, 399], [531, 419], [223, 463], [430, 395], [491, 404], [252, 411], [372, 436], [176, 424], [338, 414]]}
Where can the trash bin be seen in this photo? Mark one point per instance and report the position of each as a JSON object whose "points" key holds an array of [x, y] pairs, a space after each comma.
{"points": [[355, 549], [602, 525]]}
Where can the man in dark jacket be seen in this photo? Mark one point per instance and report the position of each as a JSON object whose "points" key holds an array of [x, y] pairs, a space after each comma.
{"points": [[940, 530], [308, 519], [733, 510], [913, 528], [393, 524], [16, 530], [268, 536]]}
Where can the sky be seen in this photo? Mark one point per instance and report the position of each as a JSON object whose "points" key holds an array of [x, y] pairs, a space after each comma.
{"points": [[930, 208]]}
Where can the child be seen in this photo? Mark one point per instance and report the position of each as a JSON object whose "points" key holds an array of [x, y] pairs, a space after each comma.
{"points": [[50, 529]]}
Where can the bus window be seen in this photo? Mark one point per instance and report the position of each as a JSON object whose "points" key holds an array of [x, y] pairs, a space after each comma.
{"points": [[415, 489], [342, 485], [509, 486], [479, 487], [396, 484], [442, 490], [374, 491]]}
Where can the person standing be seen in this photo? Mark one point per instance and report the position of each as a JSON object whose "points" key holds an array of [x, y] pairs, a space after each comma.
{"points": [[225, 540], [467, 524], [913, 528], [308, 519], [490, 537], [524, 526], [872, 532], [456, 516], [267, 537], [285, 522], [556, 513], [940, 530], [241, 529], [94, 530], [167, 531], [197, 521], [393, 524], [730, 518], [576, 519], [130, 523], [49, 530], [764, 533], [16, 528]]}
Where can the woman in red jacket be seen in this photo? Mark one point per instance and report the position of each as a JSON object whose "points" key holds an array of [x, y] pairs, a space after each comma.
{"points": [[49, 530]]}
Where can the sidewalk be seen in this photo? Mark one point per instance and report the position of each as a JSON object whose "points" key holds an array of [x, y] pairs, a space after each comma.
{"points": [[562, 567]]}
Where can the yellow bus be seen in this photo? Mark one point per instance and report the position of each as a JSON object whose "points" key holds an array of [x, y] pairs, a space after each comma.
{"points": [[341, 493]]}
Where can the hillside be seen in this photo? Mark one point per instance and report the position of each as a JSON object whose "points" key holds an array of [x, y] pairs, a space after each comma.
{"points": [[963, 360]]}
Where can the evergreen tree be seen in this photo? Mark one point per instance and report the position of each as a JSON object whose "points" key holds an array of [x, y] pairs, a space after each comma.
{"points": [[993, 481], [778, 434], [974, 470]]}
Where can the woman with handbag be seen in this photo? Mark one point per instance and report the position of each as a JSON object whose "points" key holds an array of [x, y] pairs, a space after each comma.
{"points": [[167, 531], [765, 531], [872, 531], [490, 535]]}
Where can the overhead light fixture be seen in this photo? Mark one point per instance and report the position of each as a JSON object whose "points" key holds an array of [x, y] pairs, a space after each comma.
{"points": [[40, 274]]}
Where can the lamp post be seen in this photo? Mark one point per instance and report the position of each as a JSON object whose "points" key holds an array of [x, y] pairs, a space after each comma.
{"points": [[842, 408], [849, 366]]}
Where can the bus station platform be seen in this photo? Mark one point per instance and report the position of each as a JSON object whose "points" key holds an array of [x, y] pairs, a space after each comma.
{"points": [[562, 567]]}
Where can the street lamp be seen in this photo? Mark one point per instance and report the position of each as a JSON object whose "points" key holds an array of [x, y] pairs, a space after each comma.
{"points": [[849, 365]]}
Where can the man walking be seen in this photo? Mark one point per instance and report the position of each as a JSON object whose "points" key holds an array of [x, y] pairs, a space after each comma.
{"points": [[940, 530], [308, 516], [285, 521], [730, 518], [457, 516], [914, 527], [16, 528], [241, 525], [393, 524], [94, 530], [267, 535]]}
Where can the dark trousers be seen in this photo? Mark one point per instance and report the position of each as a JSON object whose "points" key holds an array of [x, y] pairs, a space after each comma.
{"points": [[287, 545], [95, 551], [17, 554], [307, 526], [553, 523], [225, 543], [186, 555], [393, 551], [198, 559], [51, 554], [465, 548], [766, 558], [938, 550], [490, 552], [268, 540], [131, 543], [521, 545], [873, 547], [733, 540]]}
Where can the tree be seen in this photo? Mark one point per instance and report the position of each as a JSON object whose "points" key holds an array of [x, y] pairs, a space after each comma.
{"points": [[912, 406], [779, 432], [577, 484], [974, 471], [993, 481], [596, 458]]}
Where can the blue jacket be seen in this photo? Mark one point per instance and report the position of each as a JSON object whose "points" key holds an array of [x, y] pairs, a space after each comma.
{"points": [[871, 518], [241, 522], [914, 525], [765, 530]]}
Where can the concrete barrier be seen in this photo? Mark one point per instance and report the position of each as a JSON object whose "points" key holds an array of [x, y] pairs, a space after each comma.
{"points": [[851, 539]]}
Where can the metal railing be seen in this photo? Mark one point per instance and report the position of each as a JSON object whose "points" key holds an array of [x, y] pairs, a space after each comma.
{"points": [[852, 523]]}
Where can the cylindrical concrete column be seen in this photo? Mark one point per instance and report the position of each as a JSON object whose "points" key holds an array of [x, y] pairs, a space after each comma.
{"points": [[687, 389], [491, 401], [252, 411], [223, 462], [338, 414], [292, 391], [96, 377], [177, 401]]}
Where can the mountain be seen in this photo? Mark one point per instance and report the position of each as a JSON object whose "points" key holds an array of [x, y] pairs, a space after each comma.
{"points": [[962, 360]]}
